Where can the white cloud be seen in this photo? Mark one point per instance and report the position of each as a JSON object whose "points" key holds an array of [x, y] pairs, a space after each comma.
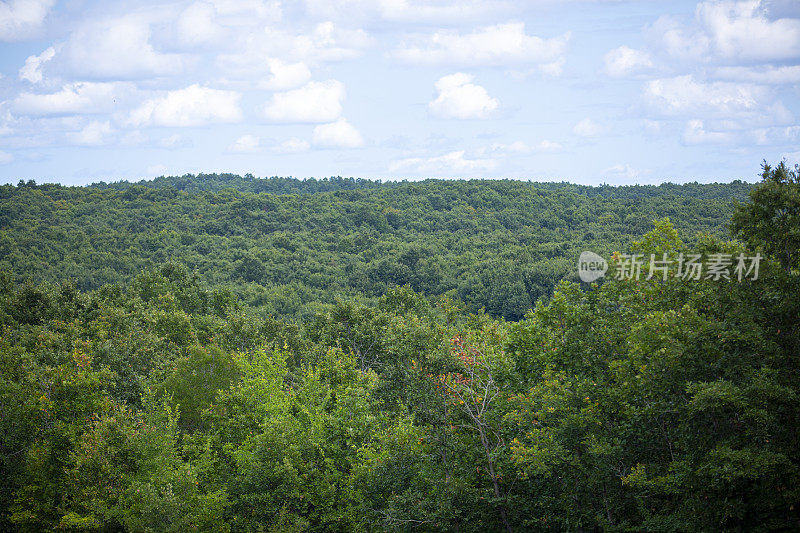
{"points": [[441, 12], [119, 49], [520, 148], [225, 27], [761, 74], [546, 146], [736, 56], [339, 134], [266, 72], [246, 144], [314, 102], [458, 98], [587, 128], [500, 45], [453, 162], [622, 172], [728, 31], [192, 106], [328, 42], [217, 24], [196, 25], [73, 98], [283, 76], [279, 57], [21, 19], [695, 133], [292, 146], [742, 30], [5, 158], [249, 9], [325, 42], [32, 70], [684, 96], [732, 134], [95, 133], [437, 11], [624, 61]]}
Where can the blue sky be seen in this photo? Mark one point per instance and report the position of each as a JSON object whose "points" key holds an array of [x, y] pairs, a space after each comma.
{"points": [[590, 92]]}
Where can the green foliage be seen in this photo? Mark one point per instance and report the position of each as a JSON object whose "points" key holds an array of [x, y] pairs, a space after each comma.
{"points": [[771, 220], [313, 366], [284, 246]]}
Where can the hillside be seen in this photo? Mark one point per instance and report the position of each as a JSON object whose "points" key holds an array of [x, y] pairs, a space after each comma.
{"points": [[285, 245]]}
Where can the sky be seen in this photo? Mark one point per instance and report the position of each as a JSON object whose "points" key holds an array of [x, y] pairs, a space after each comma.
{"points": [[589, 92]]}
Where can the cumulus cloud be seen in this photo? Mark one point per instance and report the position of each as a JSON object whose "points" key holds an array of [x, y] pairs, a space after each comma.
{"points": [[197, 25], [292, 146], [587, 128], [21, 19], [696, 133], [192, 106], [32, 70], [729, 31], [625, 61], [500, 45], [220, 23], [325, 42], [731, 62], [73, 98], [685, 96], [339, 134], [282, 76], [95, 133], [314, 102], [246, 144], [453, 162], [459, 98], [268, 73], [118, 49]]}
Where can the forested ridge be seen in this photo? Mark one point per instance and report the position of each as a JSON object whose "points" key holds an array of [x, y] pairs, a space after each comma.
{"points": [[181, 355], [284, 245]]}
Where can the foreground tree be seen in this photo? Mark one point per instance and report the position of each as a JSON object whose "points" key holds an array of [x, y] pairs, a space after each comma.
{"points": [[771, 220]]}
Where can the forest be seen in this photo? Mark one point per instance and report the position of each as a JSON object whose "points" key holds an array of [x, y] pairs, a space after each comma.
{"points": [[283, 246], [227, 353]]}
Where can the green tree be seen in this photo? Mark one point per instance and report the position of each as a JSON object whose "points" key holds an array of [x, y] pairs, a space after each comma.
{"points": [[771, 219]]}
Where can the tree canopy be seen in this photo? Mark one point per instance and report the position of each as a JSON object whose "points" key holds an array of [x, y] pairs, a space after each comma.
{"points": [[169, 401]]}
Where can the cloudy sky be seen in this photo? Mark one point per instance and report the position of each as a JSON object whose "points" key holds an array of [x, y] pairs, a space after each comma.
{"points": [[585, 91]]}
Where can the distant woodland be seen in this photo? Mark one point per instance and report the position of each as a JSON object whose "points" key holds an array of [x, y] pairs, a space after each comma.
{"points": [[282, 246]]}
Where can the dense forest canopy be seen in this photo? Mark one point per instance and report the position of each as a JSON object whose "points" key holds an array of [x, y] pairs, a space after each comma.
{"points": [[149, 380], [284, 245]]}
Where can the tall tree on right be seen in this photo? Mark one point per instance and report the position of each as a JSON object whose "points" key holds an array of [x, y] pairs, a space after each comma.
{"points": [[771, 219]]}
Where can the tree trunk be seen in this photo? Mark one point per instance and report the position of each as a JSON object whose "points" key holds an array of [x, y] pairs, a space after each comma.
{"points": [[496, 485]]}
